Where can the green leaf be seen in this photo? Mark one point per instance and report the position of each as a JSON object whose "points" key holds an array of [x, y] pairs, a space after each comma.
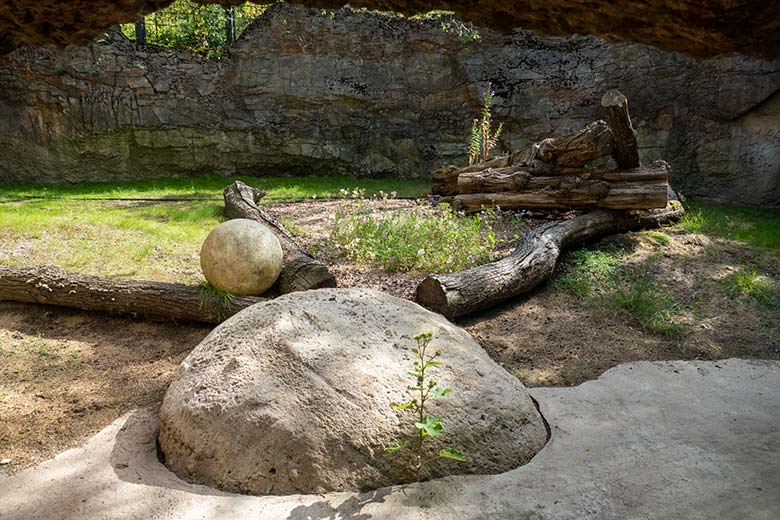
{"points": [[452, 453], [402, 406], [394, 448], [439, 391], [432, 426]]}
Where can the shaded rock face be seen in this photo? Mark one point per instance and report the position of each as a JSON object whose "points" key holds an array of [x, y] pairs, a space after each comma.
{"points": [[293, 395], [698, 28], [311, 92]]}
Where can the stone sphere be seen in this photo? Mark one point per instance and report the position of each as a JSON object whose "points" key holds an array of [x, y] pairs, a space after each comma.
{"points": [[293, 395], [242, 257]]}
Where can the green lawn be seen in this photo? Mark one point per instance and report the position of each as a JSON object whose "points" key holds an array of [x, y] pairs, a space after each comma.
{"points": [[751, 226], [280, 189], [141, 239]]}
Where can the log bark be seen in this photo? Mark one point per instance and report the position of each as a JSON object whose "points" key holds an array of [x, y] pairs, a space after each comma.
{"points": [[518, 179], [445, 180], [626, 150], [156, 300], [641, 188], [552, 156], [300, 270], [592, 142], [532, 262]]}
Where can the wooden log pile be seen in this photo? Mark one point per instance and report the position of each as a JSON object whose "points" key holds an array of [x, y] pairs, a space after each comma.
{"points": [[554, 173]]}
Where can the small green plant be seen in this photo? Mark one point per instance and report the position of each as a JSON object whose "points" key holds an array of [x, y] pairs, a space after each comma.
{"points": [[659, 239], [425, 426], [589, 269], [483, 136], [694, 221], [211, 297]]}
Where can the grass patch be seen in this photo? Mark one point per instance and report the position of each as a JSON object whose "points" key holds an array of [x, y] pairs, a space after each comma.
{"points": [[588, 269], [279, 189], [211, 296], [421, 239], [644, 303], [758, 227], [659, 239], [142, 239], [608, 285], [751, 285]]}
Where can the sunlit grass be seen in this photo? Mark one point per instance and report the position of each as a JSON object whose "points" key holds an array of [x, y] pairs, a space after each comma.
{"points": [[62, 226], [748, 283], [422, 239], [752, 226], [279, 189], [607, 284]]}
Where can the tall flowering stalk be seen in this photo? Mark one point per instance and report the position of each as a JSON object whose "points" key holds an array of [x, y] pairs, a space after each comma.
{"points": [[483, 137]]}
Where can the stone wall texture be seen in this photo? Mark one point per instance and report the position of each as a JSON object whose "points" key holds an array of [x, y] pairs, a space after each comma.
{"points": [[312, 92]]}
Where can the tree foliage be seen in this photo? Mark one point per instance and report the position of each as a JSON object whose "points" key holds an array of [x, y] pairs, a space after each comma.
{"points": [[198, 27]]}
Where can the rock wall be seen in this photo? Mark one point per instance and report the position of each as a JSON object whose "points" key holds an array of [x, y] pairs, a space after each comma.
{"points": [[310, 92]]}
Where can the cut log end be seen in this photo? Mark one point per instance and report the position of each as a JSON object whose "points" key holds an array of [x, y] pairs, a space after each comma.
{"points": [[430, 294]]}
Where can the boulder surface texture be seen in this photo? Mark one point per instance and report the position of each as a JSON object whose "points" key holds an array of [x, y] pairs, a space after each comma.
{"points": [[242, 257], [293, 395]]}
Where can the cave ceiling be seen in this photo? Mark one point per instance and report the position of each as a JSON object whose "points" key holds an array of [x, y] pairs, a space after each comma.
{"points": [[695, 27]]}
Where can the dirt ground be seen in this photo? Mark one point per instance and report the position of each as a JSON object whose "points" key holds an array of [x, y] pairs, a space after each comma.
{"points": [[64, 375]]}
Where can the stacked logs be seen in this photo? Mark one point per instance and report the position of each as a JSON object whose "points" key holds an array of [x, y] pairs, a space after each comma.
{"points": [[553, 173]]}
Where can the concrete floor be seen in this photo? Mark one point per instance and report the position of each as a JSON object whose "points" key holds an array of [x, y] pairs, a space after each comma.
{"points": [[666, 440]]}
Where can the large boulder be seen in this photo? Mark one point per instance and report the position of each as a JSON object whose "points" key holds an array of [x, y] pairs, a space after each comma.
{"points": [[292, 396], [242, 257]]}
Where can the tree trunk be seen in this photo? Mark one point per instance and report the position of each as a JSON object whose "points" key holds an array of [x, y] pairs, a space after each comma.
{"points": [[300, 271], [640, 188], [626, 148], [532, 262], [156, 300]]}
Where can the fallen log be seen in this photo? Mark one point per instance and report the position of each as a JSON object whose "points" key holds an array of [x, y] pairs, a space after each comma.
{"points": [[300, 270], [626, 151], [444, 181], [641, 188], [156, 300], [518, 179], [532, 261]]}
